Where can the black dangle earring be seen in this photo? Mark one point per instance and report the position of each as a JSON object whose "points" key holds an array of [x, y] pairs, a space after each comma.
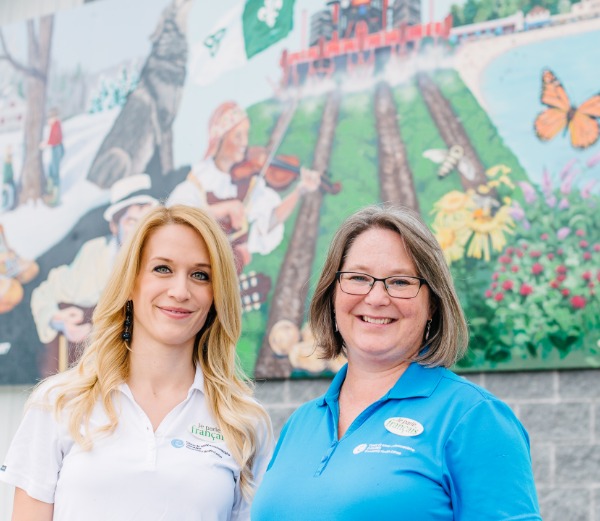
{"points": [[128, 324], [427, 330]]}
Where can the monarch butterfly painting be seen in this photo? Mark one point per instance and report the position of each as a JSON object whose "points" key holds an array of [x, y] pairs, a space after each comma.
{"points": [[580, 122]]}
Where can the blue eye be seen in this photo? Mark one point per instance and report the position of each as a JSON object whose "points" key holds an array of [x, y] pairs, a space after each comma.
{"points": [[162, 269], [359, 278], [200, 275], [400, 282]]}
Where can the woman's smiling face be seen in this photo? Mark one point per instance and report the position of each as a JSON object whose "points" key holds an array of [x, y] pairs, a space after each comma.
{"points": [[173, 292], [376, 328]]}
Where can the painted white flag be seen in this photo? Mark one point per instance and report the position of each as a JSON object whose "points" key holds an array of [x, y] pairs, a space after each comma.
{"points": [[221, 50], [245, 30]]}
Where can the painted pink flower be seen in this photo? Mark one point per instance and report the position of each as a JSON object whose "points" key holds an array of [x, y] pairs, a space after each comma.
{"points": [[578, 302], [561, 269], [524, 245], [596, 247], [489, 293], [561, 277], [586, 191], [580, 233], [528, 192], [519, 254], [591, 285], [498, 297], [593, 161], [494, 285], [554, 284], [537, 268], [544, 236], [584, 244], [518, 214], [546, 182], [525, 289], [560, 251], [503, 269], [495, 276], [587, 275], [510, 251], [563, 233], [565, 292], [567, 168], [505, 259], [535, 254], [507, 285], [550, 256], [587, 255], [514, 268], [567, 184]]}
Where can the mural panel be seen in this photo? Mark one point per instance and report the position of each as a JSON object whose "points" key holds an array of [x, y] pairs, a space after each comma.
{"points": [[281, 118]]}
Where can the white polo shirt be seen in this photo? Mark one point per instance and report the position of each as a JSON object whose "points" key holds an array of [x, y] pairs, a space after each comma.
{"points": [[183, 471]]}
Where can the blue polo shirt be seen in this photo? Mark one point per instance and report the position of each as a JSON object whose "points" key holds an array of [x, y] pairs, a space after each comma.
{"points": [[435, 447]]}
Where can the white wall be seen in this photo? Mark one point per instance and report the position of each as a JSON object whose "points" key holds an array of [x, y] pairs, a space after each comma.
{"points": [[12, 400]]}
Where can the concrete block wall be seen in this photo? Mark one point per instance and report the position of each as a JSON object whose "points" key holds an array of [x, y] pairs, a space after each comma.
{"points": [[559, 409]]}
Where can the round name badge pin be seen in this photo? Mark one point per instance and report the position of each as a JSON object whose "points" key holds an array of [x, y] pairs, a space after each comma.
{"points": [[403, 426]]}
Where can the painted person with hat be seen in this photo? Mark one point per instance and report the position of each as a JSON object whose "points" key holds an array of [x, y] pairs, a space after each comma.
{"points": [[259, 209], [63, 303]]}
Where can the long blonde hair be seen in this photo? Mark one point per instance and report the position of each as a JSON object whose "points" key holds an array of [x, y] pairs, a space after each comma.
{"points": [[104, 364]]}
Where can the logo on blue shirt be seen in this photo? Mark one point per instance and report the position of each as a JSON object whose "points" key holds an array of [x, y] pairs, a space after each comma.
{"points": [[177, 443]]}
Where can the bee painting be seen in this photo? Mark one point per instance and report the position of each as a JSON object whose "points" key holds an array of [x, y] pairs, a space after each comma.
{"points": [[452, 159]]}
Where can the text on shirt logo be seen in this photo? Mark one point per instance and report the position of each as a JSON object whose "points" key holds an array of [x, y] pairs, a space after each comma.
{"points": [[403, 426], [381, 448], [204, 432], [205, 447]]}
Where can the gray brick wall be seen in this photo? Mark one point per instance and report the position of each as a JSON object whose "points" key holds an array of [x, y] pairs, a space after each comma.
{"points": [[560, 410]]}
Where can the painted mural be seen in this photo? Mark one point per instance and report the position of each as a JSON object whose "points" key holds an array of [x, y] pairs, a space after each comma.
{"points": [[282, 117]]}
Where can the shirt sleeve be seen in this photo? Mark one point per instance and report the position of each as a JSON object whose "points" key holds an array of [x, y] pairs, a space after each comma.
{"points": [[262, 238], [35, 455], [487, 466], [241, 507], [71, 284]]}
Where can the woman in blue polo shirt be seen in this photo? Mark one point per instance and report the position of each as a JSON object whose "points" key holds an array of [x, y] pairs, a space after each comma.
{"points": [[397, 435], [153, 422]]}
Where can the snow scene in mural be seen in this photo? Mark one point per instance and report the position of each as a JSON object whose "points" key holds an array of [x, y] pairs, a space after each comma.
{"points": [[480, 115]]}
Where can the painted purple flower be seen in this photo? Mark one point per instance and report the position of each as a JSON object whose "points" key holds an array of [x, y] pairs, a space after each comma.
{"points": [[563, 233], [546, 183], [565, 186], [593, 161], [563, 204], [586, 191], [567, 168], [528, 192]]}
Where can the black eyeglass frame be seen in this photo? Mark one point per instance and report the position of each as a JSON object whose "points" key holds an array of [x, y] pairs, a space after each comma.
{"points": [[338, 276]]}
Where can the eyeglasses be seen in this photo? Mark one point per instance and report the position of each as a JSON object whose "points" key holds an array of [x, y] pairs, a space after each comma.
{"points": [[397, 286]]}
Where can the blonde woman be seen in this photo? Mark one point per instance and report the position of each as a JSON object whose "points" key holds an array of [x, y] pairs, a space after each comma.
{"points": [[154, 422]]}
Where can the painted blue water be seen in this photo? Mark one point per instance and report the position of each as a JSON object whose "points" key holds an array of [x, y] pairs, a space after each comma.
{"points": [[511, 86]]}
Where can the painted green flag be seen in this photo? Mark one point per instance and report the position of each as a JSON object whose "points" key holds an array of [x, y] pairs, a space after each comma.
{"points": [[266, 22]]}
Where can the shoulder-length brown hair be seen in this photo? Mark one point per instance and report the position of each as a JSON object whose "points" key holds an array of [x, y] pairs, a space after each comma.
{"points": [[448, 337]]}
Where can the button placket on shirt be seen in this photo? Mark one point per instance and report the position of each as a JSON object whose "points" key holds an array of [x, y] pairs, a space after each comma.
{"points": [[359, 420]]}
